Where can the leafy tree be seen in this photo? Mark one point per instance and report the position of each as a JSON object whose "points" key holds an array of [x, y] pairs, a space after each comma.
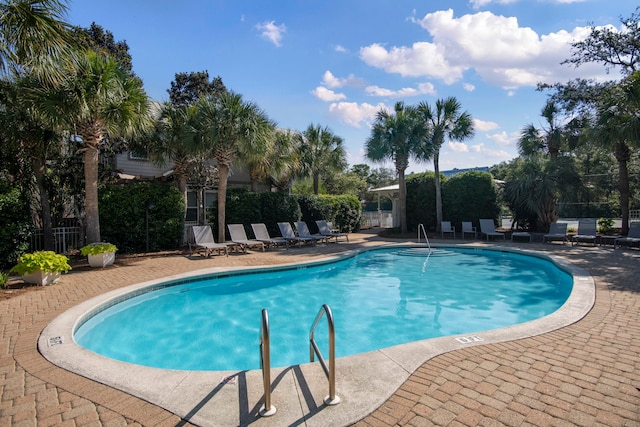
{"points": [[35, 39], [98, 100], [187, 88], [232, 131], [445, 121], [322, 153], [100, 40], [550, 140], [398, 136]]}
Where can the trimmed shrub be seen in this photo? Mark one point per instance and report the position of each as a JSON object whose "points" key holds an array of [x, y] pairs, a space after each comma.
{"points": [[344, 211], [242, 207], [278, 207], [421, 200], [469, 196], [15, 225], [123, 210]]}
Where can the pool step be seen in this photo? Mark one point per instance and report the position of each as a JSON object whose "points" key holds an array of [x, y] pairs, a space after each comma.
{"points": [[424, 252]]}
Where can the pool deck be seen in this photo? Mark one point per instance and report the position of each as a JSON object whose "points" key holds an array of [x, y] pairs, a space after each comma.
{"points": [[587, 373]]}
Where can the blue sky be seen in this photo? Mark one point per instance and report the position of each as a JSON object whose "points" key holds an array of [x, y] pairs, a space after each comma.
{"points": [[336, 62]]}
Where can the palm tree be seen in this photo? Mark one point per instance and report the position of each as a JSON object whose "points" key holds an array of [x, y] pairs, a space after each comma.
{"points": [[398, 136], [550, 140], [445, 121], [34, 38], [321, 152], [100, 100], [233, 131], [281, 164]]}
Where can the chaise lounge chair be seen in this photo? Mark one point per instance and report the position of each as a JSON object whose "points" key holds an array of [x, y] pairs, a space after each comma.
{"points": [[204, 241], [446, 227], [239, 236], [468, 228], [325, 229], [287, 233], [262, 234], [632, 237], [303, 231], [587, 232], [557, 231], [488, 228]]}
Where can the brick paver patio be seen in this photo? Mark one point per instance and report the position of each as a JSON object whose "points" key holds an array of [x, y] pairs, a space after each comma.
{"points": [[584, 374]]}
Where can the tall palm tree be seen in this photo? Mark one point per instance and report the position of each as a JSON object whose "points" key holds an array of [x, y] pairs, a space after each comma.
{"points": [[99, 100], [34, 38], [233, 131], [281, 163], [398, 136], [322, 152], [445, 121], [550, 140]]}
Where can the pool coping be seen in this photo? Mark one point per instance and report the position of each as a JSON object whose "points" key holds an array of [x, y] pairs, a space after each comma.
{"points": [[364, 381]]}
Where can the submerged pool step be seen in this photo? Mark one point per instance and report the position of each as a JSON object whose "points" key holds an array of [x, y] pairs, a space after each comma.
{"points": [[424, 252]]}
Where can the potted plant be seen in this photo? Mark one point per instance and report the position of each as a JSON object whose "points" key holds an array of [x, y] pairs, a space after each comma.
{"points": [[99, 254], [41, 267]]}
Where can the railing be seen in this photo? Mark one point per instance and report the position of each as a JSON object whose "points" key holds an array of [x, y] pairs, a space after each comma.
{"points": [[265, 364], [424, 233], [330, 371], [64, 239]]}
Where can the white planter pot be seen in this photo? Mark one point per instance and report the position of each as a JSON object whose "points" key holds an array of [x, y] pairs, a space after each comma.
{"points": [[101, 260], [41, 278]]}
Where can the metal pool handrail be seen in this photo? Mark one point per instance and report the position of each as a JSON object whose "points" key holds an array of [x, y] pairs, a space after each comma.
{"points": [[330, 372], [424, 232], [265, 364]]}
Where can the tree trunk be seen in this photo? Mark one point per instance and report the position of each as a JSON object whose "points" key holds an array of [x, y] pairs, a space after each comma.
{"points": [[182, 188], [316, 184], [436, 167], [91, 210], [403, 200], [622, 154], [45, 206], [222, 200]]}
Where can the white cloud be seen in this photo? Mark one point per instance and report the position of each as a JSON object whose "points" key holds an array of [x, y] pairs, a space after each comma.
{"points": [[503, 139], [341, 49], [483, 126], [477, 4], [498, 48], [354, 114], [325, 94], [458, 147], [422, 89], [469, 87], [331, 81], [272, 32], [495, 155]]}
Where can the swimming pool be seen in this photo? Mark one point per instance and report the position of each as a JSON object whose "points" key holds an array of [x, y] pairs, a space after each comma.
{"points": [[379, 298]]}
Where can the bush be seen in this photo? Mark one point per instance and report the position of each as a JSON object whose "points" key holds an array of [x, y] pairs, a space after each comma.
{"points": [[421, 200], [15, 225], [343, 211], [278, 207], [46, 261], [123, 210], [469, 196]]}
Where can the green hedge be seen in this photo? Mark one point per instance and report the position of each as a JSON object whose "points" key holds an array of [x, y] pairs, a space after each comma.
{"points": [[421, 200], [15, 225], [469, 196], [123, 210], [344, 211]]}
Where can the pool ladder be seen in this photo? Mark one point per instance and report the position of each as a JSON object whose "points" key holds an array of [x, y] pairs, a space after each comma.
{"points": [[424, 233], [265, 359]]}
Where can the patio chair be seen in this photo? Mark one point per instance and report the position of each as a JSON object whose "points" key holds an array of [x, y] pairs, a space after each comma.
{"points": [[303, 231], [325, 229], [468, 228], [557, 231], [262, 234], [632, 237], [239, 235], [204, 242], [446, 227], [587, 232], [488, 228], [287, 233]]}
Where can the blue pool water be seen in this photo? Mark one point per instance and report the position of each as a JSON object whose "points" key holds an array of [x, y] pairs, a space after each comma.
{"points": [[379, 298]]}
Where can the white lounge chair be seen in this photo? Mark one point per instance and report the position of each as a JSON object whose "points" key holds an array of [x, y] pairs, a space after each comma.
{"points": [[587, 232], [325, 229], [287, 233], [468, 228], [446, 227], [632, 237], [488, 228], [239, 236], [262, 234], [204, 241], [557, 231], [303, 231]]}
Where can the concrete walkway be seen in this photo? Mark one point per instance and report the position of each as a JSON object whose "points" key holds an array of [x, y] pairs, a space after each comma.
{"points": [[583, 374]]}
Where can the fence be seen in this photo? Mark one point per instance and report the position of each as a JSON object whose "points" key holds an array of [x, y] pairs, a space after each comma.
{"points": [[64, 239], [383, 219]]}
